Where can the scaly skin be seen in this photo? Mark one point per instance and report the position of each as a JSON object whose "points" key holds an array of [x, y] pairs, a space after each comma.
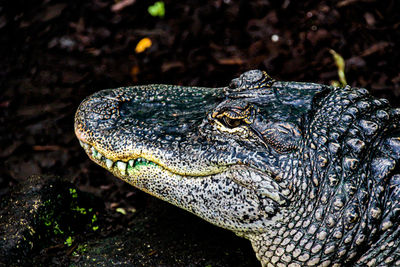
{"points": [[308, 173]]}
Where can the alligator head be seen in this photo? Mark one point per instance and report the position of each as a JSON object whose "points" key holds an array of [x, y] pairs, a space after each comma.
{"points": [[307, 172]]}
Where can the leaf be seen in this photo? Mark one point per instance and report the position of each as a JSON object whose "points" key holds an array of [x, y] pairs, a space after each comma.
{"points": [[157, 10], [143, 45], [340, 64], [121, 210]]}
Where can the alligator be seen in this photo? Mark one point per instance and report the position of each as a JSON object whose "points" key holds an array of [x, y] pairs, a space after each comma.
{"points": [[309, 173]]}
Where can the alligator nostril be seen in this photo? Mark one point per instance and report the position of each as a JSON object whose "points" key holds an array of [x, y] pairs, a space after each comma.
{"points": [[234, 84]]}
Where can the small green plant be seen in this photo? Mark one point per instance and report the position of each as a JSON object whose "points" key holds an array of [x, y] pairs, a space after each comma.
{"points": [[82, 248], [73, 192], [94, 220], [339, 61], [69, 241], [157, 10], [121, 210]]}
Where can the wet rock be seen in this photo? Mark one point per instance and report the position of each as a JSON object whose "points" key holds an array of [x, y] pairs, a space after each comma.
{"points": [[44, 212], [164, 235], [47, 221]]}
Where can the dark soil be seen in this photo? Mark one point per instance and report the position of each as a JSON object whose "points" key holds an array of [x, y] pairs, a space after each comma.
{"points": [[53, 53]]}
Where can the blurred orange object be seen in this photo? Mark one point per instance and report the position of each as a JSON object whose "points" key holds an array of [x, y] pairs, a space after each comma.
{"points": [[143, 45]]}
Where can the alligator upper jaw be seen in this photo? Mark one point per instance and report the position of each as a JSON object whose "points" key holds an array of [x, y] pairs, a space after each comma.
{"points": [[157, 123]]}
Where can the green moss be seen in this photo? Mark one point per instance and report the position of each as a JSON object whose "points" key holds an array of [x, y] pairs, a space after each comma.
{"points": [[94, 218], [157, 10], [82, 248], [73, 192], [65, 214], [80, 210], [47, 222], [56, 229], [68, 241]]}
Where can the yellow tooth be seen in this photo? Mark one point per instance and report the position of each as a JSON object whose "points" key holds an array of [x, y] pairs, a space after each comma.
{"points": [[109, 163], [121, 167]]}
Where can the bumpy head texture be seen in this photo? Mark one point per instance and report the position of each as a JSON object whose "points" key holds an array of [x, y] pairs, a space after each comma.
{"points": [[309, 173]]}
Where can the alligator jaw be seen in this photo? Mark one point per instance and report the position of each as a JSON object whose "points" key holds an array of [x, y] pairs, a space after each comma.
{"points": [[123, 166], [118, 167]]}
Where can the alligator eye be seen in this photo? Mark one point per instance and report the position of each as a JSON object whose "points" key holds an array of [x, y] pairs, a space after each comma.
{"points": [[232, 123]]}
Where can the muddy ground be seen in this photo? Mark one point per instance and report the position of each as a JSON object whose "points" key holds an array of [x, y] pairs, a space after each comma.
{"points": [[55, 53]]}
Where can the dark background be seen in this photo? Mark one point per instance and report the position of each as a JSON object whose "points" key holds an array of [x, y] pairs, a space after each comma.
{"points": [[54, 53]]}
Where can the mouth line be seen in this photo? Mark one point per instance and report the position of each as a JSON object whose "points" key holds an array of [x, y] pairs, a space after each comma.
{"points": [[124, 167], [121, 166]]}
